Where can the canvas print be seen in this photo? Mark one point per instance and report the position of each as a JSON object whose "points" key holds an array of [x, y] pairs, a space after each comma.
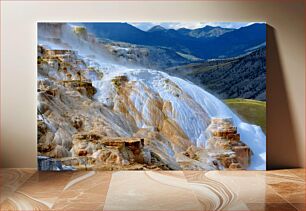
{"points": [[151, 96]]}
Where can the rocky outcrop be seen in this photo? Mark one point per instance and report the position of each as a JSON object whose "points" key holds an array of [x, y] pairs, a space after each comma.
{"points": [[112, 152], [49, 164], [81, 32], [84, 87], [225, 145]]}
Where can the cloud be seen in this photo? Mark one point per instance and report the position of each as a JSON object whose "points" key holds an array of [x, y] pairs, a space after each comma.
{"points": [[189, 25]]}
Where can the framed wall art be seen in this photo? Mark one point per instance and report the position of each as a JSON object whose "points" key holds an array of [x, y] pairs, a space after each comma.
{"points": [[147, 95]]}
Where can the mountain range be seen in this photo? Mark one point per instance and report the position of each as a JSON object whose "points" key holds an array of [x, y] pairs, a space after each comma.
{"points": [[205, 43]]}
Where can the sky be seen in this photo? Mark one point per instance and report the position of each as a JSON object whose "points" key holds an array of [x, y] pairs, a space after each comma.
{"points": [[189, 25]]}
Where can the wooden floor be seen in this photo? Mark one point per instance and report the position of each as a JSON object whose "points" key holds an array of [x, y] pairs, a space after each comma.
{"points": [[27, 189]]}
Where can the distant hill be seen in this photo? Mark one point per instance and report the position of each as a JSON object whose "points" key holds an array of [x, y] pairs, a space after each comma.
{"points": [[233, 43], [146, 56], [156, 28], [117, 31], [251, 111], [206, 32], [240, 77], [205, 43]]}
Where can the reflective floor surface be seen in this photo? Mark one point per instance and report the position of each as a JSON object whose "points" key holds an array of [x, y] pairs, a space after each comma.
{"points": [[28, 189]]}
